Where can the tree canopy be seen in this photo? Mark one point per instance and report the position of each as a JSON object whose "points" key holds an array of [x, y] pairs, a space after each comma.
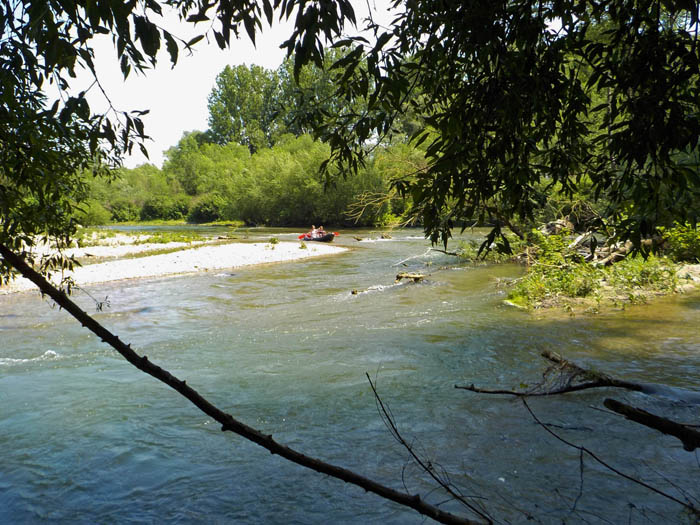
{"points": [[519, 98], [513, 100], [242, 107], [255, 106], [46, 146]]}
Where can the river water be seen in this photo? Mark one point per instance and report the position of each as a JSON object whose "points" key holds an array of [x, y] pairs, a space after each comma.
{"points": [[86, 438]]}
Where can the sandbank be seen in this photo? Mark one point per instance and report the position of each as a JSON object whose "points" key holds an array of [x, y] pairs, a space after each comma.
{"points": [[186, 261]]}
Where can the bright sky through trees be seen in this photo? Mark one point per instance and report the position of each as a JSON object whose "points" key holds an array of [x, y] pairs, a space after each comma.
{"points": [[177, 97]]}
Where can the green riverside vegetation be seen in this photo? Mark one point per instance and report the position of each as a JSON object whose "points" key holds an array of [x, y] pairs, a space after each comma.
{"points": [[278, 185], [558, 275]]}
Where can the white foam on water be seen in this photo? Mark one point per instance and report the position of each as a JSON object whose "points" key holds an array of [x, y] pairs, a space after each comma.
{"points": [[49, 354], [376, 240]]}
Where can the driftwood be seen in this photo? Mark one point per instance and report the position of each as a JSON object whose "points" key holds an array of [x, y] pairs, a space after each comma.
{"points": [[415, 277], [557, 226], [591, 379], [689, 437], [568, 373], [619, 253], [227, 422]]}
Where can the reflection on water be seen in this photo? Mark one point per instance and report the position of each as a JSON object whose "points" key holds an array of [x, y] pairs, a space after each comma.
{"points": [[86, 438]]}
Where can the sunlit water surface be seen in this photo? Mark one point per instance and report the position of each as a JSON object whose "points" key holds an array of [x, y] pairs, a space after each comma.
{"points": [[86, 438]]}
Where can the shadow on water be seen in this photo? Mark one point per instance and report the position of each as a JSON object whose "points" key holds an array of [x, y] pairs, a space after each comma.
{"points": [[286, 348]]}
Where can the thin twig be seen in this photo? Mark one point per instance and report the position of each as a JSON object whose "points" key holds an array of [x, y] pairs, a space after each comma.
{"points": [[389, 420], [581, 448]]}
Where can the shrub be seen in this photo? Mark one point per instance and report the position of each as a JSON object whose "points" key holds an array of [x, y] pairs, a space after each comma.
{"points": [[124, 211], [208, 208], [92, 213], [545, 281], [469, 251], [181, 205], [682, 242], [557, 272], [387, 219], [635, 273], [161, 207]]}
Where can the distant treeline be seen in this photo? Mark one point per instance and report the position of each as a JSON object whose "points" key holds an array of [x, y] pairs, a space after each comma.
{"points": [[279, 185], [256, 163]]}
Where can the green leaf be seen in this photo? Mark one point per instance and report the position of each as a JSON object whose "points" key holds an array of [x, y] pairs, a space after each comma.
{"points": [[172, 47]]}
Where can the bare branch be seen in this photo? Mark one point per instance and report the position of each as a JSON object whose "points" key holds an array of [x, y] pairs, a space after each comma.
{"points": [[568, 372], [390, 422], [583, 449], [227, 421]]}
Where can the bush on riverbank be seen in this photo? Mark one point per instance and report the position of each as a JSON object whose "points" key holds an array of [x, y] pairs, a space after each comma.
{"points": [[276, 186], [558, 276], [682, 242]]}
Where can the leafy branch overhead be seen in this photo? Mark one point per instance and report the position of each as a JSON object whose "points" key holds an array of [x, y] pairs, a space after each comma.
{"points": [[519, 98], [47, 146]]}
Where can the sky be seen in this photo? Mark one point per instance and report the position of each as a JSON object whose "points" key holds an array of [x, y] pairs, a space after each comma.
{"points": [[177, 97]]}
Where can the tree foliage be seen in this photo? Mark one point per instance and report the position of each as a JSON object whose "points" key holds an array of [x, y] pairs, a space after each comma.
{"points": [[254, 106], [242, 107], [277, 186], [45, 146], [505, 102]]}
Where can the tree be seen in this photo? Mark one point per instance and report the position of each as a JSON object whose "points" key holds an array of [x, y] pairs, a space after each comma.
{"points": [[502, 105], [506, 108], [42, 150], [242, 107]]}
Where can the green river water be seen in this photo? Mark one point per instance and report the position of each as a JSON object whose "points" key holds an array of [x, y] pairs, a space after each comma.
{"points": [[86, 438]]}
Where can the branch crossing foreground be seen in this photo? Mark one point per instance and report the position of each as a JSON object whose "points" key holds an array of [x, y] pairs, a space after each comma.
{"points": [[227, 421]]}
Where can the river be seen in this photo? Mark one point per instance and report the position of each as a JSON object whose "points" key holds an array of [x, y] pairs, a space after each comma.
{"points": [[86, 438]]}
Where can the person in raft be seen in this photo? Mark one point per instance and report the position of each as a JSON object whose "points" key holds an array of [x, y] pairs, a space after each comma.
{"points": [[313, 232]]}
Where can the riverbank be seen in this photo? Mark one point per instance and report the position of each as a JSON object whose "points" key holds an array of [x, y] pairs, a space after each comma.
{"points": [[599, 292], [183, 260]]}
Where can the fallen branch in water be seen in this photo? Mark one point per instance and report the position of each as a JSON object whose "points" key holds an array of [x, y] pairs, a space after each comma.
{"points": [[568, 372], [427, 466], [689, 437], [413, 257], [227, 421], [591, 454]]}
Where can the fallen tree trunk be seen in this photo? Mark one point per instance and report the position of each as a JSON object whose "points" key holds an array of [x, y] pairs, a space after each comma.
{"points": [[689, 437]]}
